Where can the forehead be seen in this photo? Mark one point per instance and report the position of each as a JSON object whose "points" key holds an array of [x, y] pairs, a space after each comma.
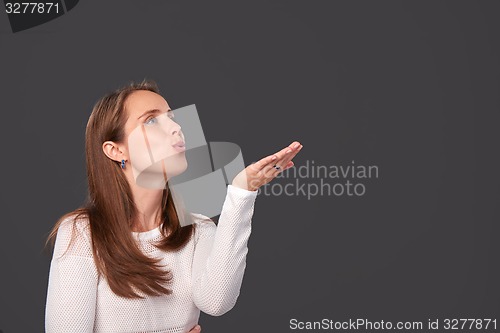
{"points": [[141, 101]]}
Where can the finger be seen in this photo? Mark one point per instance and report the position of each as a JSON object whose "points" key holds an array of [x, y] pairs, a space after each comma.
{"points": [[287, 157], [281, 163], [196, 329], [295, 145], [292, 149], [273, 171], [287, 150], [280, 158], [268, 160], [288, 166]]}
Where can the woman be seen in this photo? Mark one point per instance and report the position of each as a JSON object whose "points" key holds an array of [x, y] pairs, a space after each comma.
{"points": [[123, 262]]}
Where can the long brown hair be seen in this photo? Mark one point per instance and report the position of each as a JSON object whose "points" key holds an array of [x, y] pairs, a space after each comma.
{"points": [[110, 208]]}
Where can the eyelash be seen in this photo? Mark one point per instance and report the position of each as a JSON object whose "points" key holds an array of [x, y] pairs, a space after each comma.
{"points": [[151, 117]]}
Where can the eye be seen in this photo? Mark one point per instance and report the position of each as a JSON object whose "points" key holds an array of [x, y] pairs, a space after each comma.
{"points": [[151, 120], [171, 114]]}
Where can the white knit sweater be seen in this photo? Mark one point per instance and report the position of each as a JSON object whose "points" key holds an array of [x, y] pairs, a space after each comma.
{"points": [[207, 276]]}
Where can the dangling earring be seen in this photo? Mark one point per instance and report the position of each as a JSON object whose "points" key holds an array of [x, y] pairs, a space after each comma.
{"points": [[123, 164]]}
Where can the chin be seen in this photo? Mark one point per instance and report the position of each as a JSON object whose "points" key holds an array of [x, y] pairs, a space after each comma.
{"points": [[181, 167], [176, 165], [156, 175]]}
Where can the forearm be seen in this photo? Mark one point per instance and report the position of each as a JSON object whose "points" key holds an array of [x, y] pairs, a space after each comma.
{"points": [[216, 287]]}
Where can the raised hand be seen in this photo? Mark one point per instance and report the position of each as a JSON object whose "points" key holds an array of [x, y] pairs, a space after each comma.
{"points": [[196, 329], [266, 169]]}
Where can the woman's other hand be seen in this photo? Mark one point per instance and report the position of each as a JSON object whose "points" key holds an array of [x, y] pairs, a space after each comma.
{"points": [[196, 329], [265, 170]]}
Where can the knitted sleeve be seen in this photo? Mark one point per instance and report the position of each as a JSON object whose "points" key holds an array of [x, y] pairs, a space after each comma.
{"points": [[220, 254], [73, 277]]}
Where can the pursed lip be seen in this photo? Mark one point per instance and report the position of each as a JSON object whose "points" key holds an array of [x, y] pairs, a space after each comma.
{"points": [[180, 146]]}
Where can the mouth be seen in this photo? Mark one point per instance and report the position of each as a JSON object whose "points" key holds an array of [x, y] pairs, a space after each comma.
{"points": [[179, 146]]}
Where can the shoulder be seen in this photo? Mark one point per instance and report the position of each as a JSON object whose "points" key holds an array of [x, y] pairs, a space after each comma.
{"points": [[202, 221], [203, 225], [73, 237]]}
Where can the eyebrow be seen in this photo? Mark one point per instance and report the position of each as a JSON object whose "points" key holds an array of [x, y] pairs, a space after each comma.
{"points": [[152, 111]]}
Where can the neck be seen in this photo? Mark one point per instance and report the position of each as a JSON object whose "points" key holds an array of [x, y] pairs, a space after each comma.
{"points": [[148, 203]]}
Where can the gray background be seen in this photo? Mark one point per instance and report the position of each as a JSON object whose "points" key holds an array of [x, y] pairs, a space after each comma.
{"points": [[409, 86]]}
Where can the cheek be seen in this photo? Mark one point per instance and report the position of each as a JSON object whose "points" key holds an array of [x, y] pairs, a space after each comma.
{"points": [[138, 152], [160, 146], [148, 145], [144, 145]]}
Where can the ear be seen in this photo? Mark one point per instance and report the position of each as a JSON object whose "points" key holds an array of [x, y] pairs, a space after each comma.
{"points": [[114, 151]]}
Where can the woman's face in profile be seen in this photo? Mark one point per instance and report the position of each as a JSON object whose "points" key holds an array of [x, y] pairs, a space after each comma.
{"points": [[155, 142]]}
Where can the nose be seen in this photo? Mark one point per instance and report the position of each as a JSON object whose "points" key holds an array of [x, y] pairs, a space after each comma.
{"points": [[176, 129]]}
